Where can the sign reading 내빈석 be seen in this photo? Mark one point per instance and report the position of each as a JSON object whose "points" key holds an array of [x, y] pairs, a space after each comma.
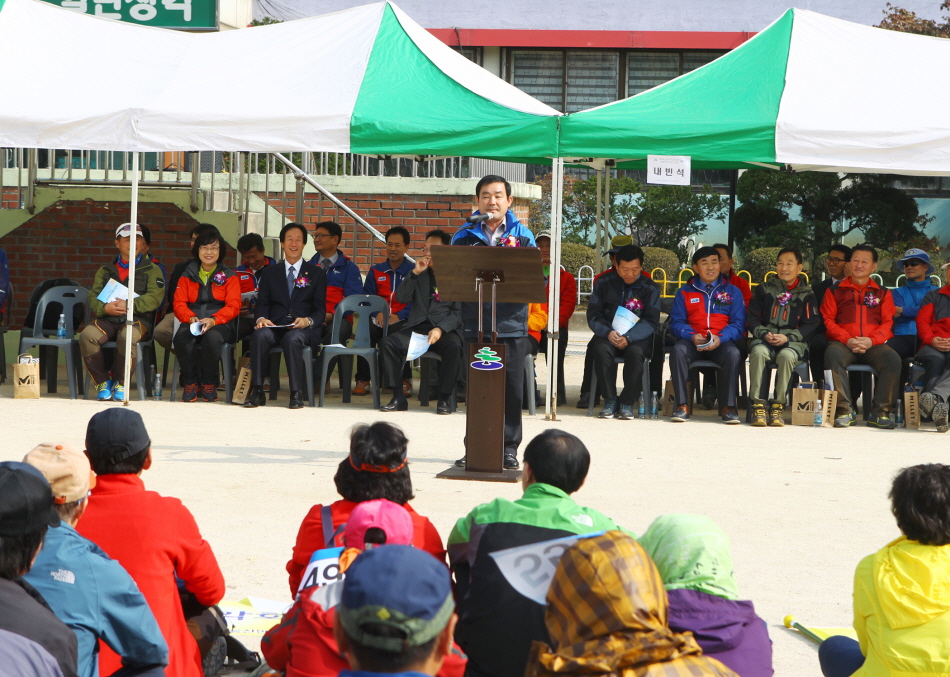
{"points": [[201, 15], [668, 170]]}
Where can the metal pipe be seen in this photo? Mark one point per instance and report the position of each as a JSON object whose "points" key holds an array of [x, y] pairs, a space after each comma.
{"points": [[130, 302], [554, 289], [300, 195], [599, 262], [93, 182], [32, 159], [195, 180]]}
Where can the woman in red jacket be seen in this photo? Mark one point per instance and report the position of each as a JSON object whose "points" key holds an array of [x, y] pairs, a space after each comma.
{"points": [[207, 298]]}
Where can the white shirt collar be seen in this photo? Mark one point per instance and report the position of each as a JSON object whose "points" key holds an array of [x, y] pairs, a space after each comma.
{"points": [[296, 266]]}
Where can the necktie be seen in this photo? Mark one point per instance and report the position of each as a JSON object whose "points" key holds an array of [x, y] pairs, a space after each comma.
{"points": [[325, 264], [291, 277]]}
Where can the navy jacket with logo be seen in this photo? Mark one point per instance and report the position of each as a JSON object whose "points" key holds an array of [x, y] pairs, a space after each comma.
{"points": [[383, 280]]}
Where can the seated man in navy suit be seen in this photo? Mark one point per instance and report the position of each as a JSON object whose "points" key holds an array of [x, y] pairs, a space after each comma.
{"points": [[291, 306]]}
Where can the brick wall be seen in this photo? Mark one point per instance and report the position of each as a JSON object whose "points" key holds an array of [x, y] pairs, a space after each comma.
{"points": [[417, 213], [73, 238]]}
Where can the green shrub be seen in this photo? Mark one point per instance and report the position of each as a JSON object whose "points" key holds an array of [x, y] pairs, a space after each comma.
{"points": [[657, 257], [573, 256], [760, 261]]}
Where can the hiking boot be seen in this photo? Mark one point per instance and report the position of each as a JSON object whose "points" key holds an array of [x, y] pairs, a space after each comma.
{"points": [[118, 393], [609, 410], [209, 392], [941, 412], [927, 402], [680, 414], [626, 412], [881, 421], [777, 415], [758, 416], [191, 393], [104, 390], [845, 420], [361, 388]]}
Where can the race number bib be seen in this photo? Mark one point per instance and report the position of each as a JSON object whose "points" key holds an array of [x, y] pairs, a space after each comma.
{"points": [[530, 568], [323, 569]]}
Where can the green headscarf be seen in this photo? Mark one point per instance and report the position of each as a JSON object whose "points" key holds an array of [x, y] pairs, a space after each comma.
{"points": [[691, 552]]}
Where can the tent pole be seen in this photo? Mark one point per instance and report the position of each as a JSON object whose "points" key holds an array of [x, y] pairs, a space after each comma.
{"points": [[130, 302], [598, 261], [606, 209], [733, 179], [554, 289]]}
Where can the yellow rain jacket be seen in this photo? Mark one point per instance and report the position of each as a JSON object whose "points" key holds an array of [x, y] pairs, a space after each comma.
{"points": [[901, 600]]}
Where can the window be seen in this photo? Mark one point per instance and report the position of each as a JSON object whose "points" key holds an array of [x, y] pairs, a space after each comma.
{"points": [[591, 79], [473, 54], [540, 74], [693, 60], [646, 70]]}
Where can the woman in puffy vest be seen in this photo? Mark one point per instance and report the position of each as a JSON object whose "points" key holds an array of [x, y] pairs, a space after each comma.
{"points": [[207, 298]]}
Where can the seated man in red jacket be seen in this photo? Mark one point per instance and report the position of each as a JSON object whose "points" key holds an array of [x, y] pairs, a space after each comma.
{"points": [[933, 329], [859, 314], [154, 538]]}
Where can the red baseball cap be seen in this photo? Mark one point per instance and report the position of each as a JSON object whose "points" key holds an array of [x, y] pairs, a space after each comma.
{"points": [[392, 518]]}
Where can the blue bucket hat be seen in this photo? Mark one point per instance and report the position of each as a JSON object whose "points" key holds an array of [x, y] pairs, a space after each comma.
{"points": [[400, 588], [915, 254]]}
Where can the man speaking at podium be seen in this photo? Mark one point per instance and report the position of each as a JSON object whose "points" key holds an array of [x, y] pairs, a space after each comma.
{"points": [[495, 225]]}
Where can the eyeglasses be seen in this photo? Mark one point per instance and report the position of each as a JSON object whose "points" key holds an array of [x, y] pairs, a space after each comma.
{"points": [[209, 248], [834, 259], [320, 235], [914, 262]]}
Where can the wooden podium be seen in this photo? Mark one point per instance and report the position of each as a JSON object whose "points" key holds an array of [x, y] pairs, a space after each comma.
{"points": [[512, 275]]}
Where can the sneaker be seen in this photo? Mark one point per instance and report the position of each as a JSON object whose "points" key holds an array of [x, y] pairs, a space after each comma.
{"points": [[361, 388], [882, 421], [407, 388], [940, 415], [927, 403], [777, 415], [118, 393], [729, 416], [609, 410], [758, 416], [846, 420], [191, 393], [104, 390], [209, 392], [680, 414], [626, 412], [511, 462]]}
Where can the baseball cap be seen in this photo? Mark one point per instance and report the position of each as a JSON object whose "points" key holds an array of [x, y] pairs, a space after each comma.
{"points": [[125, 230], [619, 241], [121, 429], [543, 233], [392, 518], [704, 252], [400, 588], [26, 502], [65, 468], [915, 254]]}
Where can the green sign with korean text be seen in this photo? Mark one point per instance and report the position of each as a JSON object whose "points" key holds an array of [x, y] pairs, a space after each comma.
{"points": [[200, 15]]}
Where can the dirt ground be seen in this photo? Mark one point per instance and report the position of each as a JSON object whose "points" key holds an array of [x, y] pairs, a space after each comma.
{"points": [[801, 505]]}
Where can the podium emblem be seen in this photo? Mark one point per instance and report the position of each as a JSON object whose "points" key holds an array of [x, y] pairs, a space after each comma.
{"points": [[487, 360]]}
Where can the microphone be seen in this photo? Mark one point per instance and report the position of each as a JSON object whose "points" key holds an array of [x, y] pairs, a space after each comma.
{"points": [[479, 218]]}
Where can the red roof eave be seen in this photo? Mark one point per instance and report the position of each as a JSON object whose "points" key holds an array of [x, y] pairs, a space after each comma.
{"points": [[479, 37]]}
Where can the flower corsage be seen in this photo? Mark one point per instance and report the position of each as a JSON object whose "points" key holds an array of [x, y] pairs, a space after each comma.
{"points": [[633, 305], [302, 282], [784, 298], [723, 298], [219, 278], [435, 294], [871, 300], [509, 241]]}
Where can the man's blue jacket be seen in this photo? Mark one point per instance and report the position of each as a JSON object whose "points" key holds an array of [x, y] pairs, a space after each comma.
{"points": [[97, 599]]}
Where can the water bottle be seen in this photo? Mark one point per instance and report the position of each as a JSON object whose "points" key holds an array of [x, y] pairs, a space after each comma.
{"points": [[156, 385], [899, 415], [61, 327], [641, 412], [817, 421], [654, 405]]}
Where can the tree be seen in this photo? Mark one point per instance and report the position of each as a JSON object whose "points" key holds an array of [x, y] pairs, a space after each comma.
{"points": [[830, 207], [905, 21], [667, 216]]}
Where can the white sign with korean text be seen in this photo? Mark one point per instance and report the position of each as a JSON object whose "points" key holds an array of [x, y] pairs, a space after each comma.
{"points": [[668, 170]]}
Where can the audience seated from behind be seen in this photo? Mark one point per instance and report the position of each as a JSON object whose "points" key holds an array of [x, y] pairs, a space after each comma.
{"points": [[607, 615], [624, 287], [933, 328], [859, 317], [33, 641], [208, 295], [86, 589], [496, 623], [375, 468], [902, 592], [708, 318], [396, 614], [440, 321], [303, 643], [108, 323], [783, 314], [693, 558], [154, 538]]}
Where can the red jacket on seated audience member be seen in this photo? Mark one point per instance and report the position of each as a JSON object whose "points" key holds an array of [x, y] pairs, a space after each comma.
{"points": [[848, 315], [933, 319]]}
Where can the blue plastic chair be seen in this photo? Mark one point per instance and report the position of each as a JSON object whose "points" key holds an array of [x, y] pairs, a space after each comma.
{"points": [[363, 307], [68, 298]]}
